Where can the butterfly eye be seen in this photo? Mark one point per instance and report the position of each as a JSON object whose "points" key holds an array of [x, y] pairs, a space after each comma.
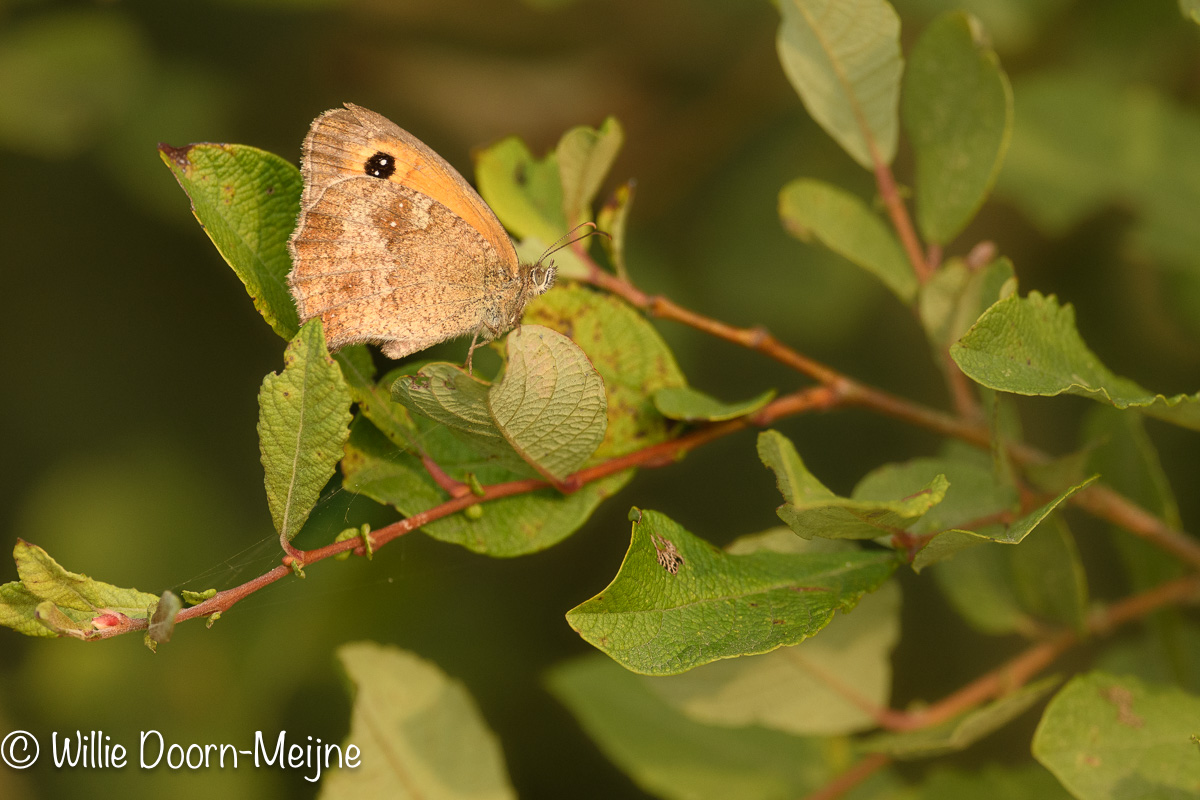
{"points": [[542, 278], [380, 165]]}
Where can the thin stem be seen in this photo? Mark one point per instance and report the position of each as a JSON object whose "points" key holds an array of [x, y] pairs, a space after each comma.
{"points": [[448, 485], [863, 769], [1107, 504], [894, 204]]}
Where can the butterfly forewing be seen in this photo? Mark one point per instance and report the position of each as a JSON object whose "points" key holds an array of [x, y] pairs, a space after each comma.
{"points": [[344, 140]]}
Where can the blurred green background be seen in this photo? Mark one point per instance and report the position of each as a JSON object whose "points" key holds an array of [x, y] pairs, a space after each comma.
{"points": [[135, 357]]}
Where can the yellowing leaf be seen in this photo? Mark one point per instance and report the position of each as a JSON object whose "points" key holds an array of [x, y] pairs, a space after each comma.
{"points": [[550, 404]]}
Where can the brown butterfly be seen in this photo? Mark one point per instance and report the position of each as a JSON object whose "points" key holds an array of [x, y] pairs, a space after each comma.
{"points": [[393, 247]]}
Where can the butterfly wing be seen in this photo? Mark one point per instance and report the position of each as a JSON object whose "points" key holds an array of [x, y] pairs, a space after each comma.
{"points": [[392, 246], [381, 263]]}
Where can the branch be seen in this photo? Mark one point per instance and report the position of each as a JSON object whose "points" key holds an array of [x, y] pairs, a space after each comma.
{"points": [[1011, 675], [852, 777], [658, 455], [1018, 670], [1101, 501], [834, 390]]}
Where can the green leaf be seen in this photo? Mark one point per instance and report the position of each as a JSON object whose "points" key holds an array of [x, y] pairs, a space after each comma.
{"points": [[374, 398], [509, 526], [1003, 589], [541, 199], [628, 353], [842, 222], [795, 689], [1030, 346], [446, 394], [1114, 737], [957, 108], [843, 58], [623, 348], [978, 584], [585, 155], [993, 782], [975, 493], [550, 404], [1128, 461], [419, 733], [246, 200], [1048, 576], [963, 731], [58, 622], [670, 756], [526, 193], [1190, 10], [950, 542], [678, 602], [547, 413], [956, 295], [303, 416], [1022, 527], [975, 490], [813, 510], [693, 405]]}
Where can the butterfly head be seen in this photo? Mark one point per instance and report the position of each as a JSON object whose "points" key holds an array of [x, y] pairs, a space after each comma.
{"points": [[541, 277]]}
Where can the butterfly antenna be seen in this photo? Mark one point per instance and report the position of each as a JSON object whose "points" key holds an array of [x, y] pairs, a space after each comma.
{"points": [[569, 238]]}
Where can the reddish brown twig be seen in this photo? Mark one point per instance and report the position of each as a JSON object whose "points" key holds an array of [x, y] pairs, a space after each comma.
{"points": [[886, 183], [1011, 675], [862, 769], [657, 455], [1100, 501]]}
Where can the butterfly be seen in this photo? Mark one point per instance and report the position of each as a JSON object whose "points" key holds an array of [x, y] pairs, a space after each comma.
{"points": [[394, 247]]}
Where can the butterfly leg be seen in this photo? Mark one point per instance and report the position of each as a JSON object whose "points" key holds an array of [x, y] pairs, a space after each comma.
{"points": [[492, 333], [474, 343]]}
